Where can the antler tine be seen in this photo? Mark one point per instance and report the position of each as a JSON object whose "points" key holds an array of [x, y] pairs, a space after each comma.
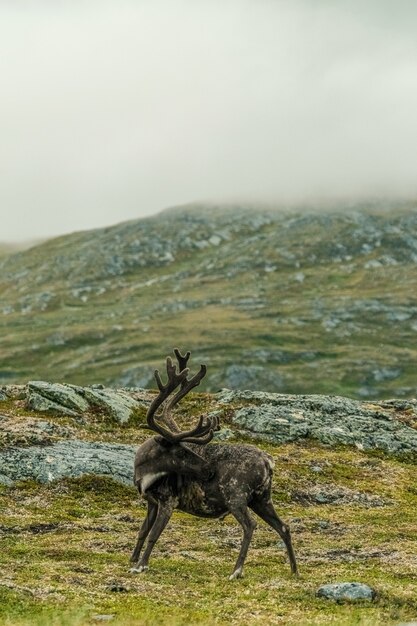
{"points": [[182, 358], [186, 386], [174, 380], [203, 432], [206, 431]]}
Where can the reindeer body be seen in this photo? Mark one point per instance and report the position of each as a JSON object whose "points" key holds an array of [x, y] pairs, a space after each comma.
{"points": [[234, 472], [178, 470]]}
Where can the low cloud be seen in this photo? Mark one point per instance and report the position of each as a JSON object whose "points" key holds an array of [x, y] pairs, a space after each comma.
{"points": [[112, 111]]}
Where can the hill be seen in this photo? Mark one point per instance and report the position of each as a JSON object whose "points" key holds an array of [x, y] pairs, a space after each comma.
{"points": [[309, 300]]}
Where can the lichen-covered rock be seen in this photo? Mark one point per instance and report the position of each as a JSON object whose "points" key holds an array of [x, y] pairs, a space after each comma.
{"points": [[67, 459], [116, 403], [74, 401], [350, 592], [332, 420], [55, 398]]}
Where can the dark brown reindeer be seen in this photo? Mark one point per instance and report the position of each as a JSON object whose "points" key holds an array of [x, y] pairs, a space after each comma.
{"points": [[178, 470]]}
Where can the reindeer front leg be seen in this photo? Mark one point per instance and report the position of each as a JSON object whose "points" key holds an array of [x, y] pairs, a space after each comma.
{"points": [[163, 515]]}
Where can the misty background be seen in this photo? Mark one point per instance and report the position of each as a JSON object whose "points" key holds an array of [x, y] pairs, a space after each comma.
{"points": [[111, 111]]}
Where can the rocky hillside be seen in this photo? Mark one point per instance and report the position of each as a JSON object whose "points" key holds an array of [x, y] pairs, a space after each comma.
{"points": [[297, 301]]}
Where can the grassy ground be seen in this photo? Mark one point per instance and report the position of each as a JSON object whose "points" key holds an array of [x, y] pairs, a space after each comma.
{"points": [[65, 549]]}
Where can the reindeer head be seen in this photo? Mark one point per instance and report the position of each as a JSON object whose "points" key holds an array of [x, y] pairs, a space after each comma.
{"points": [[167, 452]]}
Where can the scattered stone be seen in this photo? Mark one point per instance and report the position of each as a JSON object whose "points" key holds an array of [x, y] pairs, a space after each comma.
{"points": [[336, 495], [350, 592], [102, 618], [117, 588]]}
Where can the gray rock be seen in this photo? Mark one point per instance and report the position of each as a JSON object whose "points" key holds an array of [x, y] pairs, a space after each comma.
{"points": [[72, 400], [67, 459], [332, 420], [55, 398], [224, 434], [117, 403], [351, 592]]}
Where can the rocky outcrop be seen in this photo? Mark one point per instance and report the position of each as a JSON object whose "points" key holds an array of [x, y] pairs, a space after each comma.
{"points": [[67, 459], [72, 400], [331, 420], [32, 447]]}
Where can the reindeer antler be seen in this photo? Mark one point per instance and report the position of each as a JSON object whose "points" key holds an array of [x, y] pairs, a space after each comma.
{"points": [[203, 432]]}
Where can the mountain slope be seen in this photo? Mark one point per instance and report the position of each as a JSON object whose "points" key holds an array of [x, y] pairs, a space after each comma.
{"points": [[301, 301]]}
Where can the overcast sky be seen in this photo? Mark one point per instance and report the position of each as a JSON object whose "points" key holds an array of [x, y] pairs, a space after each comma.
{"points": [[114, 110]]}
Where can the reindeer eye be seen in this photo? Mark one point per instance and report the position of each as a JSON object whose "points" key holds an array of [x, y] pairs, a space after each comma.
{"points": [[180, 453]]}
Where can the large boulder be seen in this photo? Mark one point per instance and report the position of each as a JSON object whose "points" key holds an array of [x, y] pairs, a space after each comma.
{"points": [[74, 401], [67, 459]]}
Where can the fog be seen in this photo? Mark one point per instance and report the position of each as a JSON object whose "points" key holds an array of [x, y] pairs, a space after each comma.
{"points": [[115, 110]]}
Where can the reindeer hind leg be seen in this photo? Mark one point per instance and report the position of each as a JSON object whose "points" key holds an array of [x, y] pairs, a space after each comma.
{"points": [[164, 512], [265, 509], [248, 524], [144, 531]]}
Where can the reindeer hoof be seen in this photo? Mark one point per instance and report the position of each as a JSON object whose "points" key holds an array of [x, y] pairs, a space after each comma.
{"points": [[238, 573], [139, 569]]}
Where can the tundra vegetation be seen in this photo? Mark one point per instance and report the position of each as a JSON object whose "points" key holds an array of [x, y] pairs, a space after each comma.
{"points": [[65, 545]]}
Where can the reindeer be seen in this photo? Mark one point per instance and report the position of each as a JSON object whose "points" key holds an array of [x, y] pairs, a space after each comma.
{"points": [[178, 470]]}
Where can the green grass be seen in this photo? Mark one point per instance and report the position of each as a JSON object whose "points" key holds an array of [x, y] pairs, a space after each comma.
{"points": [[65, 545]]}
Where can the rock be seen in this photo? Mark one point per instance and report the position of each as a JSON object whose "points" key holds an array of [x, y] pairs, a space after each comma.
{"points": [[117, 403], [351, 592], [336, 495], [27, 431], [116, 588], [332, 420], [55, 398], [224, 434], [72, 400], [67, 459]]}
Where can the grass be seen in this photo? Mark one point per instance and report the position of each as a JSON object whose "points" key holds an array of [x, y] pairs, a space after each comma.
{"points": [[65, 550]]}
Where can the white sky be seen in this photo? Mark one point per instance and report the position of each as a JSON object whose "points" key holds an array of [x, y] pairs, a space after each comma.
{"points": [[114, 110]]}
